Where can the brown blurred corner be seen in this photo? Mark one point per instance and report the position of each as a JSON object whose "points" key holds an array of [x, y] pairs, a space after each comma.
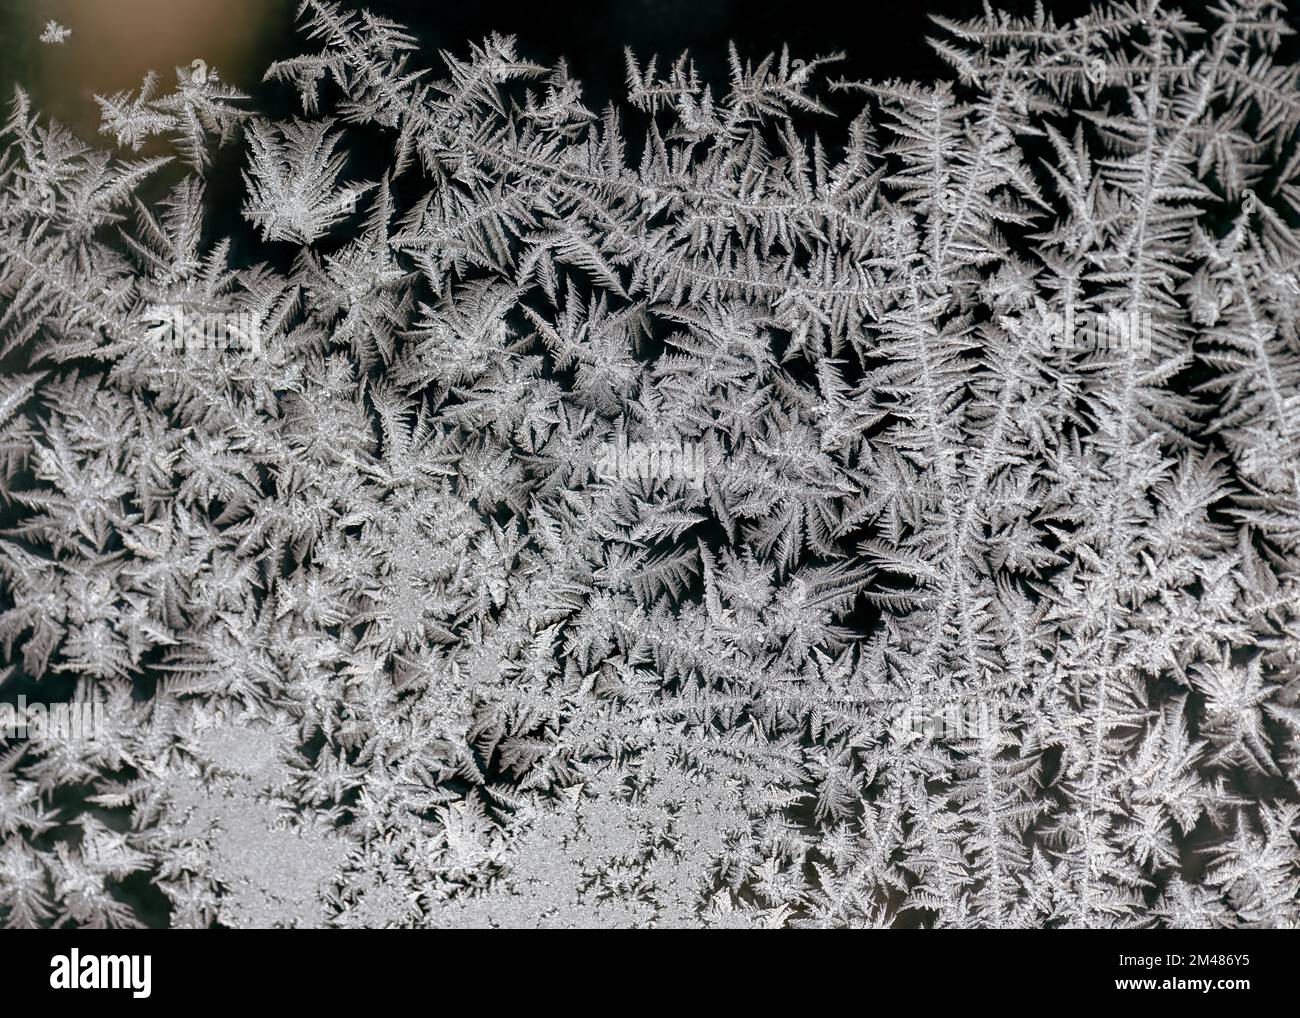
{"points": [[115, 42]]}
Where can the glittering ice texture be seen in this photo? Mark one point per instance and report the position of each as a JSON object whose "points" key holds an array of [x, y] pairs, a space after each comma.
{"points": [[704, 511]]}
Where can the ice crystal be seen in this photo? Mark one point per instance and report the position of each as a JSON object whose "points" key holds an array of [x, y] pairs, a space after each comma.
{"points": [[943, 607]]}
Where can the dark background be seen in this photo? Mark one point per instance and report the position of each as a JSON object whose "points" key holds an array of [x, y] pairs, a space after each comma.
{"points": [[880, 40], [114, 42]]}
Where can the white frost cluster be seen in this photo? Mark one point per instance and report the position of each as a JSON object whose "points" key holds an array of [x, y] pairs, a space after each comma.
{"points": [[955, 627]]}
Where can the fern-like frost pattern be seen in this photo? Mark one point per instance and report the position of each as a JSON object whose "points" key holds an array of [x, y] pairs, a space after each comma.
{"points": [[697, 512]]}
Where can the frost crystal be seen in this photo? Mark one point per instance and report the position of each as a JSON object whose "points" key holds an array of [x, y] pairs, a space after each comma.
{"points": [[54, 33], [695, 513]]}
